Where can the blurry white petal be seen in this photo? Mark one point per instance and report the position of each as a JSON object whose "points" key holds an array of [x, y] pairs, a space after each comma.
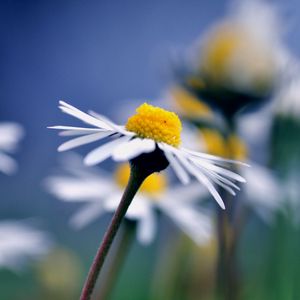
{"points": [[147, 228], [20, 243], [192, 221], [84, 140], [7, 164], [140, 207], [194, 192], [103, 152], [263, 191], [10, 135], [132, 149], [87, 214], [78, 189]]}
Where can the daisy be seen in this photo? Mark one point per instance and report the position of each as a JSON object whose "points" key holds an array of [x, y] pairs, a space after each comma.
{"points": [[152, 130], [101, 195], [10, 135], [19, 243]]}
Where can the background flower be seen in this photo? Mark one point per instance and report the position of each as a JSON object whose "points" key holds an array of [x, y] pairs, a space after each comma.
{"points": [[101, 196]]}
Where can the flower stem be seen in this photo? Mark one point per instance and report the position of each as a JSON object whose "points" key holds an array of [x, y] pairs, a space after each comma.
{"points": [[135, 180], [119, 255]]}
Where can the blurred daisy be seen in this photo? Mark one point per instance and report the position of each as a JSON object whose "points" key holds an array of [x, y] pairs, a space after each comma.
{"points": [[20, 243], [10, 135], [242, 51], [150, 130], [101, 195], [238, 61]]}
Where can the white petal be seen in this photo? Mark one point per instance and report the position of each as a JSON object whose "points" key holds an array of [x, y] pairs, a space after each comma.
{"points": [[7, 164], [78, 189], [113, 200], [202, 178], [263, 188], [73, 111], [82, 140], [86, 215], [219, 170], [10, 134], [70, 130], [217, 178], [20, 242], [178, 169], [192, 221], [213, 157], [103, 152], [194, 192], [140, 207], [132, 149], [146, 229], [118, 128]]}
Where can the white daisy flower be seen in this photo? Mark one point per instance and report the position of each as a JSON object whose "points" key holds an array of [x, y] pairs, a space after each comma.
{"points": [[150, 129], [20, 243], [10, 135], [101, 195]]}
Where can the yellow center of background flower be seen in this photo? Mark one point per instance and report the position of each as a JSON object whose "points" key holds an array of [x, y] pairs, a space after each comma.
{"points": [[156, 123], [216, 144], [154, 184], [233, 55], [189, 105]]}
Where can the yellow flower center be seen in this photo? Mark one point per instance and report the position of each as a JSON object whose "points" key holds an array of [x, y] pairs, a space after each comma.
{"points": [[216, 144], [188, 105], [154, 184], [218, 50], [155, 123], [234, 56]]}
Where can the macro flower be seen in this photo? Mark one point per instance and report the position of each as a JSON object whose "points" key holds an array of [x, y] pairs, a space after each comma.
{"points": [[10, 135], [150, 130], [100, 195], [19, 243]]}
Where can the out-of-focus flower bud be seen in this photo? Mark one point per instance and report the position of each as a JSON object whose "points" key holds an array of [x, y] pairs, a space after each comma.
{"points": [[237, 62]]}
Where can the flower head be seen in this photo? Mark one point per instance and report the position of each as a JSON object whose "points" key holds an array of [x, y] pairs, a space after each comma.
{"points": [[100, 196], [155, 123], [157, 133], [10, 135], [237, 62]]}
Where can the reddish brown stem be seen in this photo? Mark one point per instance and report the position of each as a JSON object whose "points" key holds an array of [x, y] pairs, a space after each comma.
{"points": [[135, 181]]}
